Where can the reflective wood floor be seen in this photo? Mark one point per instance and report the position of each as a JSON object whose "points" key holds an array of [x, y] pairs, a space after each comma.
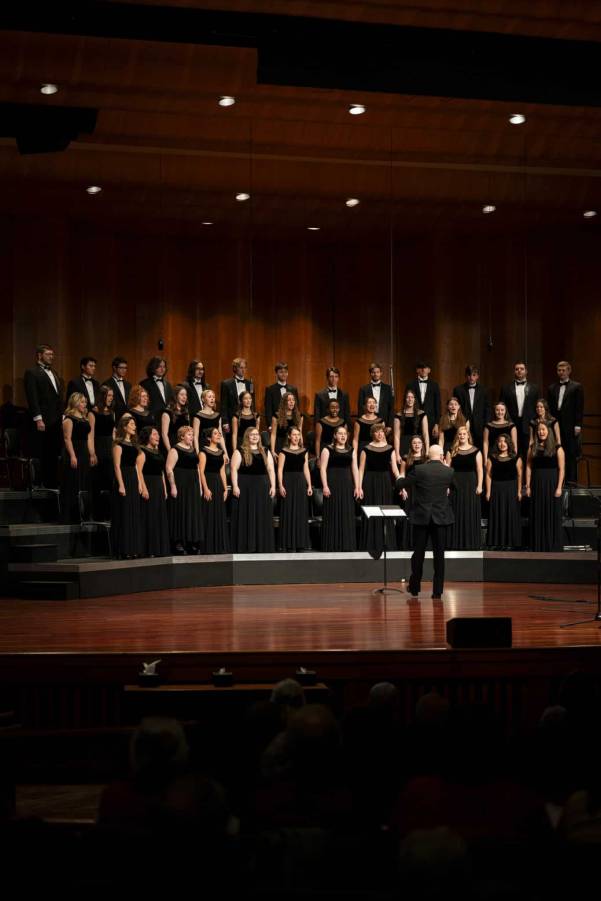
{"points": [[343, 617]]}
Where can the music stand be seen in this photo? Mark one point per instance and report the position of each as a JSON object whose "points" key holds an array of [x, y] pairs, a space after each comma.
{"points": [[384, 512]]}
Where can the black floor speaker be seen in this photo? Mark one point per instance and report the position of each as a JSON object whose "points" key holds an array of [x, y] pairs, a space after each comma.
{"points": [[479, 632]]}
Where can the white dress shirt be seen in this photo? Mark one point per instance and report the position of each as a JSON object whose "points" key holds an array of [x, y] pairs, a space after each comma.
{"points": [[375, 390], [520, 393], [562, 390], [160, 385]]}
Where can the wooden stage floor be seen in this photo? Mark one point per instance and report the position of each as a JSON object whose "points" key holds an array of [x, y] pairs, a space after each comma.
{"points": [[291, 618]]}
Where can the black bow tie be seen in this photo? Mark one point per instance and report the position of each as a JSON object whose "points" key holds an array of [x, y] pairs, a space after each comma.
{"points": [[117, 379], [158, 378], [520, 383], [564, 383], [376, 384], [47, 368], [241, 381], [86, 379], [423, 381]]}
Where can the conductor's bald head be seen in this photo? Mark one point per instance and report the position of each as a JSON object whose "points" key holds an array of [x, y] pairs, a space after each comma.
{"points": [[435, 452]]}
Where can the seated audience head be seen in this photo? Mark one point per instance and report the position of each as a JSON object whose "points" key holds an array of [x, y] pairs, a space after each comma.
{"points": [[288, 693], [384, 696], [158, 750], [432, 709], [434, 863]]}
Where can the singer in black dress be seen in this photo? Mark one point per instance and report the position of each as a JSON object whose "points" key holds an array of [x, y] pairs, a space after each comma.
{"points": [[340, 481], [208, 418], [466, 460], [543, 414], [288, 415], [294, 480], [363, 424], [77, 456], [244, 418], [376, 463], [126, 524], [545, 471], [504, 493], [137, 406], [409, 421], [174, 417], [214, 494], [326, 426], [154, 495], [449, 423], [104, 433], [253, 490], [415, 457], [183, 504], [499, 425]]}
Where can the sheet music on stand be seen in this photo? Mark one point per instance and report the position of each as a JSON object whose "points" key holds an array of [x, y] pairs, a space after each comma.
{"points": [[385, 512]]}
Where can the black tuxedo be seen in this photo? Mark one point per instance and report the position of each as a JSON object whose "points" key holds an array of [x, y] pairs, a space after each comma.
{"points": [[322, 399], [431, 402], [273, 397], [80, 386], [479, 414], [385, 407], [119, 405], [569, 417], [522, 423], [46, 402], [430, 515], [194, 403], [229, 402], [156, 404]]}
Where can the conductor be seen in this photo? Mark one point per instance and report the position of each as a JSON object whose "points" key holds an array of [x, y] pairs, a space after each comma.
{"points": [[430, 515]]}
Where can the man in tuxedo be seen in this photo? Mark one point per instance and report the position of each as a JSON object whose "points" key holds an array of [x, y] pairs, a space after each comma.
{"points": [[473, 398], [379, 390], [430, 515], [520, 398], [274, 393], [332, 391], [231, 389], [44, 390], [160, 392], [121, 387], [427, 394], [566, 403], [196, 384], [86, 384]]}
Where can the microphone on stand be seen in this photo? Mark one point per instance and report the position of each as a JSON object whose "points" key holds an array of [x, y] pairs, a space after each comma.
{"points": [[391, 368]]}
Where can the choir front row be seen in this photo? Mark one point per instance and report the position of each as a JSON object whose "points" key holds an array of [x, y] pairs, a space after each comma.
{"points": [[174, 500]]}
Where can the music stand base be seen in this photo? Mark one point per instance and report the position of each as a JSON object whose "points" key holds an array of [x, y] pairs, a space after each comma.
{"points": [[592, 619], [387, 590]]}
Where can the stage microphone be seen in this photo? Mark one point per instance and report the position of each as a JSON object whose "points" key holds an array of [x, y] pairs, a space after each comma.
{"points": [[160, 344], [391, 368]]}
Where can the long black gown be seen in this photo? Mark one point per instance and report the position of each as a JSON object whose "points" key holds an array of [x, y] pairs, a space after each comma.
{"points": [[176, 422], [545, 508], [184, 511], [495, 430], [410, 427], [327, 431], [154, 510], [504, 515], [338, 530], [103, 473], [206, 421], [464, 534], [294, 508], [365, 426], [143, 420], [126, 526], [252, 512], [282, 433], [448, 437], [377, 491], [244, 422], [75, 480], [214, 519]]}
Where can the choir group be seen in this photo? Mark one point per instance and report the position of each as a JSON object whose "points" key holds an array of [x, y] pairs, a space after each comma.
{"points": [[187, 476]]}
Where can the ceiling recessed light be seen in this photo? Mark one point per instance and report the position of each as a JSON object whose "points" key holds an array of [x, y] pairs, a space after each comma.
{"points": [[313, 228], [589, 214], [207, 223], [353, 201], [94, 189], [49, 89], [225, 100], [517, 119], [357, 109], [242, 195], [489, 208]]}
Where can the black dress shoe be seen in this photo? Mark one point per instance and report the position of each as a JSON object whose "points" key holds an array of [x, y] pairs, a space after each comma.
{"points": [[437, 597], [410, 590]]}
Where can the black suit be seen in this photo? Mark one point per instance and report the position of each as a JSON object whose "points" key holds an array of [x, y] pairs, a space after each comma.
{"points": [[80, 386], [273, 397], [45, 401], [194, 402], [431, 402], [322, 399], [430, 515], [479, 414], [522, 423], [156, 404], [386, 405], [569, 417], [119, 405], [229, 402]]}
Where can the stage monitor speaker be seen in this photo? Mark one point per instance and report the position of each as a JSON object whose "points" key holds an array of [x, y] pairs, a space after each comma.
{"points": [[479, 632]]}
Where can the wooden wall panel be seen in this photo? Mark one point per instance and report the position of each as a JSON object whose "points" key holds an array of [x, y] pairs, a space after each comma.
{"points": [[109, 291]]}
